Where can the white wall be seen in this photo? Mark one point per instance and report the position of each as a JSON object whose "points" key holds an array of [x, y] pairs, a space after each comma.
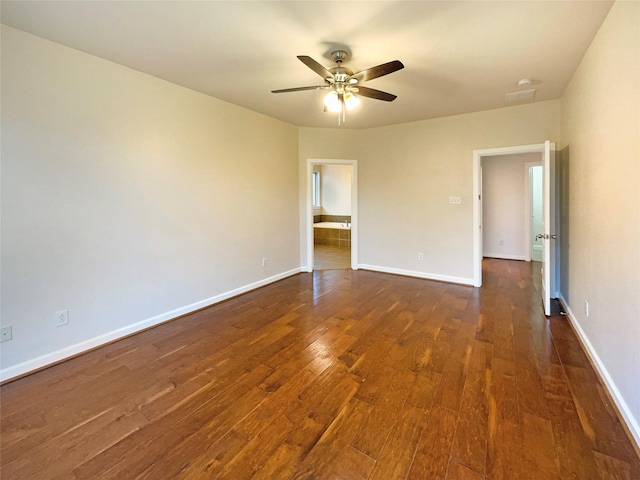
{"points": [[600, 169], [128, 200], [406, 174], [504, 216], [336, 189]]}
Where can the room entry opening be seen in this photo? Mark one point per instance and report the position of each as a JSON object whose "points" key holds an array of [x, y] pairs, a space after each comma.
{"points": [[550, 226], [332, 214], [512, 206]]}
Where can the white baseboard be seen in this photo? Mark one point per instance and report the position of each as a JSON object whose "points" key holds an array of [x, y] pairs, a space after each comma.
{"points": [[505, 256], [623, 408], [78, 348], [412, 273]]}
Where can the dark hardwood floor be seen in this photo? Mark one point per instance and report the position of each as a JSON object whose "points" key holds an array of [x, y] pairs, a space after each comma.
{"points": [[332, 375]]}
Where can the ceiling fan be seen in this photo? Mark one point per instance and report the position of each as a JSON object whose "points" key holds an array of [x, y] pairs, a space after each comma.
{"points": [[342, 83]]}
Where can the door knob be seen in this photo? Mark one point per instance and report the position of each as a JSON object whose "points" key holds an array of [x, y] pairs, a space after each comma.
{"points": [[543, 236]]}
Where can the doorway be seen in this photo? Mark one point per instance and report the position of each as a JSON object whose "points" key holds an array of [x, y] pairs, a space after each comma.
{"points": [[512, 206], [332, 218], [550, 246]]}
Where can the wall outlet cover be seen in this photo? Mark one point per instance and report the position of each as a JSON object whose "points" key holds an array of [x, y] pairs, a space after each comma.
{"points": [[62, 318]]}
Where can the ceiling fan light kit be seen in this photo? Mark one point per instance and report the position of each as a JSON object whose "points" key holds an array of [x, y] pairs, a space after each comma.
{"points": [[343, 84], [334, 102]]}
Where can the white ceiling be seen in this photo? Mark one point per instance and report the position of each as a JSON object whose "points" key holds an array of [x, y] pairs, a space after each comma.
{"points": [[459, 57]]}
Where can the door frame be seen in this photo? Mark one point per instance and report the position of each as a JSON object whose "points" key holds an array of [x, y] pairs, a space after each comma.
{"points": [[478, 155], [354, 208]]}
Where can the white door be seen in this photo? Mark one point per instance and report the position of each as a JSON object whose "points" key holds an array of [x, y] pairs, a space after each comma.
{"points": [[548, 234]]}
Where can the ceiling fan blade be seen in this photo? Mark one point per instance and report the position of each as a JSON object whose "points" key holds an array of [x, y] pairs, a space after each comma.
{"points": [[315, 66], [299, 89], [373, 93], [379, 71]]}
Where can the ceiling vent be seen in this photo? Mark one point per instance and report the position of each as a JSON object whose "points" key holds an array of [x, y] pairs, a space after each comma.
{"points": [[523, 95]]}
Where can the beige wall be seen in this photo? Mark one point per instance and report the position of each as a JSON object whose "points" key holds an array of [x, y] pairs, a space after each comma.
{"points": [[406, 174], [600, 167], [128, 200]]}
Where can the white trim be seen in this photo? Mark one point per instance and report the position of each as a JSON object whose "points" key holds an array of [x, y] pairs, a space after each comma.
{"points": [[354, 209], [610, 385], [503, 256], [477, 220], [72, 350], [412, 273]]}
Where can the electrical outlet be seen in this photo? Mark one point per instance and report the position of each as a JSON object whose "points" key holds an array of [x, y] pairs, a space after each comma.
{"points": [[586, 308], [62, 318], [5, 334], [264, 262], [421, 256], [455, 200]]}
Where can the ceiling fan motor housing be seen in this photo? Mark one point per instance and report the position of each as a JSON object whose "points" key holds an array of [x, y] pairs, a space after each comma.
{"points": [[340, 74]]}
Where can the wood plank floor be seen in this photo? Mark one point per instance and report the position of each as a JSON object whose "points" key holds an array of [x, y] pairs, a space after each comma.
{"points": [[331, 375]]}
